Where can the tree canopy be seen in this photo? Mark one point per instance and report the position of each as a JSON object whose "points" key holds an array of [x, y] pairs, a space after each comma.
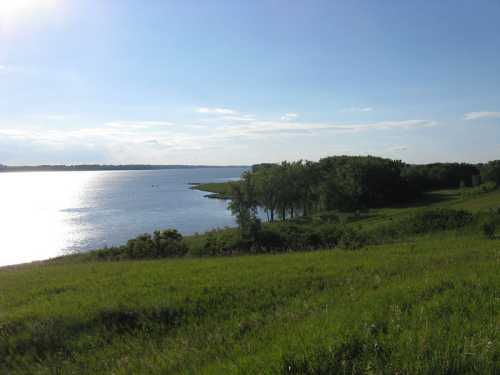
{"points": [[345, 183]]}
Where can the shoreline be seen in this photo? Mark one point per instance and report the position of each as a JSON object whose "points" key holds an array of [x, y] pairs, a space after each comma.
{"points": [[101, 168]]}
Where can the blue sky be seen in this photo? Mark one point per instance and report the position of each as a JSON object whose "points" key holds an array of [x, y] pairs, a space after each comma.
{"points": [[240, 82]]}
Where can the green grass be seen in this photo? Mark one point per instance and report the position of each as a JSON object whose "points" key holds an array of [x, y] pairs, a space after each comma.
{"points": [[429, 305], [426, 307], [437, 199], [219, 190]]}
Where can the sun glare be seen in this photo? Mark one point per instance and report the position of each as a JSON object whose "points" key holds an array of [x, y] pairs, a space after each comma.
{"points": [[13, 10]]}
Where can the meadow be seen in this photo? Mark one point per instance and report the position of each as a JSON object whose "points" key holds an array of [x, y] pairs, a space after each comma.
{"points": [[424, 304], [218, 190]]}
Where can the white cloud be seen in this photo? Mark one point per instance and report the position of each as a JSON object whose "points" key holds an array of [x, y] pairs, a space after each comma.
{"points": [[289, 116], [216, 111], [108, 137], [123, 141], [248, 126], [217, 115], [269, 127], [357, 109], [240, 118], [137, 124], [480, 115]]}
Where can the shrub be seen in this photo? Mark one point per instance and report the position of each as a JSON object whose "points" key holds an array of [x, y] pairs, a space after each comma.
{"points": [[217, 242], [270, 240], [298, 237], [330, 235], [436, 220], [353, 239], [488, 229], [168, 243], [491, 171], [483, 188], [328, 217], [140, 247], [162, 244]]}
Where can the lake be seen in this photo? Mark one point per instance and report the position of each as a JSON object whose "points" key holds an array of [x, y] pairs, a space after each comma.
{"points": [[46, 214]]}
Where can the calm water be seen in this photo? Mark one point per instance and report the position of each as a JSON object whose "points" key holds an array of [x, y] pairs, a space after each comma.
{"points": [[45, 214]]}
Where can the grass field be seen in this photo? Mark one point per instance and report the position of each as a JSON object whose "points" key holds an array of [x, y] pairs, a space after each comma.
{"points": [[429, 305], [219, 190]]}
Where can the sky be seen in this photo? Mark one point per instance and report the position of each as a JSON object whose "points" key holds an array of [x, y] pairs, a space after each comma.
{"points": [[223, 82]]}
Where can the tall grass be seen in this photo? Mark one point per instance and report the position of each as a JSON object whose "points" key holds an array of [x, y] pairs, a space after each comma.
{"points": [[426, 307]]}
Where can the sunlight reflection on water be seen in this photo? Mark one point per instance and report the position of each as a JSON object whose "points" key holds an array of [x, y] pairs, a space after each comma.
{"points": [[46, 214], [34, 223]]}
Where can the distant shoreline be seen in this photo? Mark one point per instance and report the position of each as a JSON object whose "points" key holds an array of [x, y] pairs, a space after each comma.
{"points": [[98, 167]]}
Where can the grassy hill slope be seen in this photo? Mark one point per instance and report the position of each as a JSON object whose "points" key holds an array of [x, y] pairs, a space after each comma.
{"points": [[420, 306]]}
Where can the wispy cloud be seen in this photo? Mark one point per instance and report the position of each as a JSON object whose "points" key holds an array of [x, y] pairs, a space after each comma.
{"points": [[247, 125], [110, 136], [122, 141], [129, 132], [289, 116], [238, 118], [480, 115], [357, 109], [216, 111], [217, 115], [137, 124], [271, 127]]}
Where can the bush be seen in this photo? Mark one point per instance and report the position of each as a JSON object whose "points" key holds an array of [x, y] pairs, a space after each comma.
{"points": [[169, 243], [291, 236], [269, 240], [330, 235], [162, 244], [483, 188], [328, 217], [353, 239], [488, 229], [165, 243], [217, 242], [298, 237], [491, 171], [436, 220]]}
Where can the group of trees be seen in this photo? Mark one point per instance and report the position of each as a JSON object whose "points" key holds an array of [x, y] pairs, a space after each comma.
{"points": [[451, 175], [442, 175], [490, 172], [344, 183], [315, 189]]}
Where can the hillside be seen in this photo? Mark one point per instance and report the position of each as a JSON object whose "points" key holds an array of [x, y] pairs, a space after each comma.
{"points": [[425, 304]]}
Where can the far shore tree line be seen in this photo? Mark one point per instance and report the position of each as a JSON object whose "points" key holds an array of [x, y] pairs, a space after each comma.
{"points": [[344, 183]]}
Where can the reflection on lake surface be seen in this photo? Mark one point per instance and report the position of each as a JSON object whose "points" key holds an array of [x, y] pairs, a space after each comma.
{"points": [[46, 214]]}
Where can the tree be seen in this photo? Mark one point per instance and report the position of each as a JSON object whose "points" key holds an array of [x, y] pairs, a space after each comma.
{"points": [[267, 188], [244, 205], [491, 172]]}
